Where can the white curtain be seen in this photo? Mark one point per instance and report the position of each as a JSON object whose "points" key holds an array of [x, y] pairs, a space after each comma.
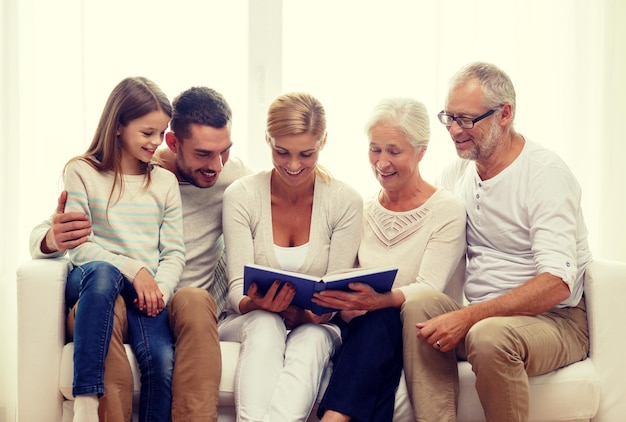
{"points": [[60, 60]]}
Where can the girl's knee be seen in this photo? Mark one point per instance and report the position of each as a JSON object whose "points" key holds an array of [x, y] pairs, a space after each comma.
{"points": [[100, 278], [101, 271]]}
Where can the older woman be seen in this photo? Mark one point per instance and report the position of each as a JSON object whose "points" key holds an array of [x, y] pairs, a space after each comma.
{"points": [[293, 217], [410, 224]]}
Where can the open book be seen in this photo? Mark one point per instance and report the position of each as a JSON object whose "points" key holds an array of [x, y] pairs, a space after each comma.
{"points": [[381, 279]]}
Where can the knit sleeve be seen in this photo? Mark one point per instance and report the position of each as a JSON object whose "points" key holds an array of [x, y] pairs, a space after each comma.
{"points": [[171, 242], [444, 254], [237, 225], [78, 177], [347, 216]]}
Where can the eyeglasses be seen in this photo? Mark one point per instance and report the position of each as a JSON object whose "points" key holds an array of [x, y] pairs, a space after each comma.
{"points": [[463, 122]]}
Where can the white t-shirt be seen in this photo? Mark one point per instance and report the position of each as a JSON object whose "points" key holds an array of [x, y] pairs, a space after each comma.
{"points": [[524, 221]]}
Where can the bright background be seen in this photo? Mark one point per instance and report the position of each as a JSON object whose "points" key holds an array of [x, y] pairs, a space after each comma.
{"points": [[60, 60]]}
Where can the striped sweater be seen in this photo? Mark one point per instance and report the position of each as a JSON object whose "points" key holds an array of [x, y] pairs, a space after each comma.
{"points": [[141, 229]]}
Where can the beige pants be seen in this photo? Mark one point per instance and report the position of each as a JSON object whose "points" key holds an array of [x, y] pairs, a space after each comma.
{"points": [[197, 356], [503, 352]]}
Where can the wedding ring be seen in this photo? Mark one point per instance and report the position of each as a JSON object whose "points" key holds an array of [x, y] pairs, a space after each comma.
{"points": [[438, 344]]}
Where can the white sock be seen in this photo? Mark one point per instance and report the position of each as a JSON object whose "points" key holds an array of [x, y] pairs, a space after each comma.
{"points": [[86, 408]]}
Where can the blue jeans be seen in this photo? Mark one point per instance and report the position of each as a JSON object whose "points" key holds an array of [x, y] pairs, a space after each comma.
{"points": [[96, 285]]}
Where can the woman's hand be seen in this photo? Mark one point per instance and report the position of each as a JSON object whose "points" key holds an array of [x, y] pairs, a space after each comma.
{"points": [[348, 316], [362, 297], [295, 316], [277, 298], [149, 297]]}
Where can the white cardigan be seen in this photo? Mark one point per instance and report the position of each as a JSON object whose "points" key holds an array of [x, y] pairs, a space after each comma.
{"points": [[247, 220]]}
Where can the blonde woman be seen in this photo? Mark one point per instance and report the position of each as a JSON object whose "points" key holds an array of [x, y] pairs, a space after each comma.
{"points": [[294, 217]]}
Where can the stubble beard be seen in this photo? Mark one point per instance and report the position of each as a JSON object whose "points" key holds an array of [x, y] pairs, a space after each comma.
{"points": [[487, 145]]}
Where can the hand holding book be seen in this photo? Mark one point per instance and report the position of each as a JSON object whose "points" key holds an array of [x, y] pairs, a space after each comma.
{"points": [[277, 298], [380, 279]]}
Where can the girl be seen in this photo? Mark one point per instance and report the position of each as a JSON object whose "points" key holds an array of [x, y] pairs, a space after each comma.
{"points": [[135, 250]]}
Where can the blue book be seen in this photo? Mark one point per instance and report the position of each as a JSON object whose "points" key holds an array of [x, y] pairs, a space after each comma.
{"points": [[381, 279]]}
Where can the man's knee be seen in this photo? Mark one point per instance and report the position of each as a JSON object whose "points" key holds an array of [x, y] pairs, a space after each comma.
{"points": [[490, 340], [192, 305]]}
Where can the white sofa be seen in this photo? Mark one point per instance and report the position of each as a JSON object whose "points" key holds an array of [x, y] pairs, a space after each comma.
{"points": [[593, 389]]}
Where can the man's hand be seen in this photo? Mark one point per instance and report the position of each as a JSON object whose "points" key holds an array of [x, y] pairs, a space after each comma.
{"points": [[444, 332], [149, 296], [542, 292], [68, 229]]}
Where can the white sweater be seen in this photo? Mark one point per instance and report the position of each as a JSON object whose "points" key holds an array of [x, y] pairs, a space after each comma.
{"points": [[427, 244], [334, 235]]}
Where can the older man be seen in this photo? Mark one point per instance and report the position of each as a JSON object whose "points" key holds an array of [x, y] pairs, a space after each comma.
{"points": [[526, 255]]}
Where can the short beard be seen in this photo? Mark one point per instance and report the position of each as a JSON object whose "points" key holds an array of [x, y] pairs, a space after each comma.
{"points": [[184, 172], [185, 175], [487, 145]]}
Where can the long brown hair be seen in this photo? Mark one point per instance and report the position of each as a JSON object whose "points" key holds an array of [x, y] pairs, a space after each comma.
{"points": [[131, 99]]}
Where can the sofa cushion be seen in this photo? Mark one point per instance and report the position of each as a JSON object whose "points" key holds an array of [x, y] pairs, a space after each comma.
{"points": [[570, 393]]}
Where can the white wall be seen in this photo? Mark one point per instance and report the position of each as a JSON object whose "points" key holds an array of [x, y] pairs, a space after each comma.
{"points": [[611, 204], [41, 59], [61, 59]]}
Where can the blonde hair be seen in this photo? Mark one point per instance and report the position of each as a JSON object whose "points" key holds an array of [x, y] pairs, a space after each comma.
{"points": [[298, 113]]}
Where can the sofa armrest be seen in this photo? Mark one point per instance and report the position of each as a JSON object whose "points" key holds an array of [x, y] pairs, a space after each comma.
{"points": [[40, 338], [605, 290]]}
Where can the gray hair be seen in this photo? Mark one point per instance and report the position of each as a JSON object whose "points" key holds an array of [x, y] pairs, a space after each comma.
{"points": [[496, 84], [407, 115]]}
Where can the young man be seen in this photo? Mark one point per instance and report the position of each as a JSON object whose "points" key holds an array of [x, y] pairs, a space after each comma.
{"points": [[199, 145], [526, 256]]}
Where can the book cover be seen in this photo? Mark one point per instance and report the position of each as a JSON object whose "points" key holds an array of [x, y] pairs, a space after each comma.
{"points": [[381, 279]]}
